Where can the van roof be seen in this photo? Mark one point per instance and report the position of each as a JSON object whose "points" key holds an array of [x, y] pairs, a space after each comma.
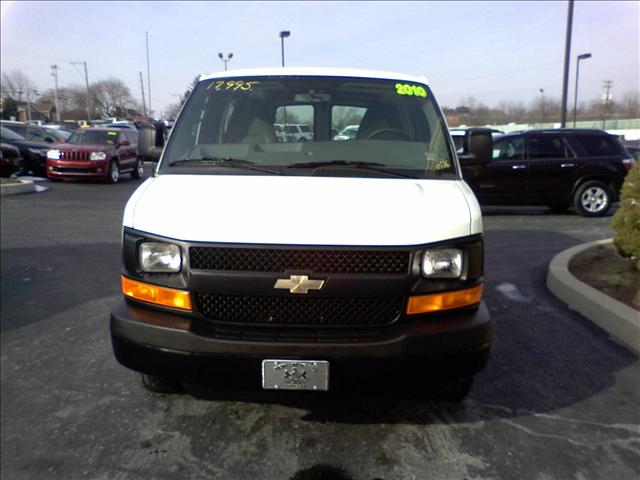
{"points": [[315, 72]]}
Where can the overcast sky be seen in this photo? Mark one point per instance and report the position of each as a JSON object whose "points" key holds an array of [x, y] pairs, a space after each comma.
{"points": [[492, 50]]}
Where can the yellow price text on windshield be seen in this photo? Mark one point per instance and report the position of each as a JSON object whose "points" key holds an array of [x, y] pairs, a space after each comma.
{"points": [[410, 90], [232, 85]]}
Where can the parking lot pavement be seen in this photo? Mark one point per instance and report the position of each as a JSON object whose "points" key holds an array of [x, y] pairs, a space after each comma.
{"points": [[559, 399]]}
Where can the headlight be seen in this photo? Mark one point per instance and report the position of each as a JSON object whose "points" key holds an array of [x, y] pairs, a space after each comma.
{"points": [[160, 257], [53, 154], [97, 156], [442, 263]]}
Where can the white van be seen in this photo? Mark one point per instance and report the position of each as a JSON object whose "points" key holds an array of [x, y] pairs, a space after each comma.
{"points": [[305, 265]]}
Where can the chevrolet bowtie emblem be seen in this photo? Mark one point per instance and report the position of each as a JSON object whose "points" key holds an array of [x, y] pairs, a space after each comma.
{"points": [[299, 284]]}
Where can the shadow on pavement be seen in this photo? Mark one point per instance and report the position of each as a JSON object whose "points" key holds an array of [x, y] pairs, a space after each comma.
{"points": [[40, 282]]}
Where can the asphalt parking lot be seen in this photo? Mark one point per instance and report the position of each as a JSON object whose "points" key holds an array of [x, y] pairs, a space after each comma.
{"points": [[559, 399]]}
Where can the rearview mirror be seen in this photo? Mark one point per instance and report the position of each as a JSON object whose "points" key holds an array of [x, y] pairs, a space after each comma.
{"points": [[147, 143], [477, 147]]}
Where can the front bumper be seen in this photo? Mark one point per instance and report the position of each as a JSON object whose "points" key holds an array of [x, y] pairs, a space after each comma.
{"points": [[67, 169], [155, 342]]}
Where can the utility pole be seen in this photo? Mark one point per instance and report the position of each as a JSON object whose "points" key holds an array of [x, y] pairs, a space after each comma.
{"points": [[144, 105], [86, 79], [567, 59], [148, 75], [54, 73], [606, 99], [542, 104]]}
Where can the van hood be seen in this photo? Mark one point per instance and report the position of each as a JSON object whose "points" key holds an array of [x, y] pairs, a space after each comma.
{"points": [[296, 210]]}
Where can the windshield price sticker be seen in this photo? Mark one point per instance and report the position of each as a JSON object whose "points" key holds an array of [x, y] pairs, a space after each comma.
{"points": [[112, 133], [410, 90], [233, 85]]}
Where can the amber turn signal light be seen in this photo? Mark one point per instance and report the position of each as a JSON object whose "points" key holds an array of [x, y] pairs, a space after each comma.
{"points": [[167, 297], [437, 302]]}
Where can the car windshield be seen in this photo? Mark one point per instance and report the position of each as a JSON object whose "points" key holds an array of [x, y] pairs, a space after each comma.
{"points": [[93, 137], [396, 127], [7, 134]]}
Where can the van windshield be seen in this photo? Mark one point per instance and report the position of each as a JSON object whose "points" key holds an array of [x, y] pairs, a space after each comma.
{"points": [[292, 126]]}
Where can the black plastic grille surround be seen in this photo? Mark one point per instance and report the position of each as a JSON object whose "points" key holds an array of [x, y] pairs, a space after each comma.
{"points": [[280, 310], [311, 260]]}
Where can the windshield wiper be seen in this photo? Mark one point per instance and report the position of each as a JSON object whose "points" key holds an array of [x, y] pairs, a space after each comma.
{"points": [[372, 166], [224, 162]]}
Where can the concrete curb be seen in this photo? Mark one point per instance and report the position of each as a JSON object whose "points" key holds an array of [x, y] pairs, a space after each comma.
{"points": [[25, 186], [619, 320]]}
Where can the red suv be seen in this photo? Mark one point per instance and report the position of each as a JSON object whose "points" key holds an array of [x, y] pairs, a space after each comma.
{"points": [[96, 152]]}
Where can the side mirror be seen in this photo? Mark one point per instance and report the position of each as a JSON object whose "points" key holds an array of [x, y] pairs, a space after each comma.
{"points": [[477, 147], [147, 143]]}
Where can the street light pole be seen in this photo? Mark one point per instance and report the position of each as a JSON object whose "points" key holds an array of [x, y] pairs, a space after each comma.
{"points": [[229, 57], [584, 56], [284, 34], [567, 59]]}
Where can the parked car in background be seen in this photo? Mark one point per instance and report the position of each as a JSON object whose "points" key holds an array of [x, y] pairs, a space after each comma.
{"points": [[60, 135], [69, 125], [34, 154], [347, 133], [556, 168], [297, 132], [457, 135], [96, 153], [31, 132], [129, 125], [10, 160]]}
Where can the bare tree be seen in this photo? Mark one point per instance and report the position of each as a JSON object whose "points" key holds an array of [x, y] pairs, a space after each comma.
{"points": [[110, 97], [629, 105], [15, 84]]}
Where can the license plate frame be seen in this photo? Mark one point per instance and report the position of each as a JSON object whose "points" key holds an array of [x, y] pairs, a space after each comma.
{"points": [[288, 374]]}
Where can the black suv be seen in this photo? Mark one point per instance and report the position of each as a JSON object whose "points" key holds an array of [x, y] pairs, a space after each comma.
{"points": [[557, 168]]}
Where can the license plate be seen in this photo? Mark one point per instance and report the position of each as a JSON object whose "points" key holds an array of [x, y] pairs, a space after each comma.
{"points": [[295, 374]]}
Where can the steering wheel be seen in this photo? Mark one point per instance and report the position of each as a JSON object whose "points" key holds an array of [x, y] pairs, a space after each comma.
{"points": [[400, 133]]}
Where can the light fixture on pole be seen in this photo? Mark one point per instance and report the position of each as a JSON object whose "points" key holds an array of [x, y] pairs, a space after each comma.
{"points": [[584, 56], [225, 60], [284, 34]]}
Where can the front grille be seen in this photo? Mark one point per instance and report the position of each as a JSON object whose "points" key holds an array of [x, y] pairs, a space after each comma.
{"points": [[282, 260], [318, 311], [80, 156]]}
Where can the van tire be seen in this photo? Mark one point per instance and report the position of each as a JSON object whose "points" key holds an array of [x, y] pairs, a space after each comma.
{"points": [[593, 199], [457, 390], [160, 384]]}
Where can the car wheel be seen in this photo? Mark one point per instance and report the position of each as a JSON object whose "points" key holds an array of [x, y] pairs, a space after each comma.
{"points": [[593, 198], [114, 171], [137, 172], [160, 384]]}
